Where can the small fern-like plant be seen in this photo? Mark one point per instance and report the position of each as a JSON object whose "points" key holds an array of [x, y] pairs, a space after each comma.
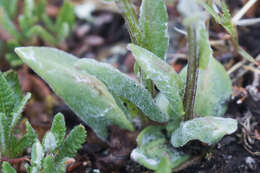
{"points": [[11, 106], [181, 107], [34, 22], [51, 155]]}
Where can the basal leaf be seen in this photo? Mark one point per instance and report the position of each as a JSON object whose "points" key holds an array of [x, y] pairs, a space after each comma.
{"points": [[123, 86], [153, 147], [207, 129], [66, 15], [154, 25], [164, 166], [213, 89], [88, 97], [165, 78]]}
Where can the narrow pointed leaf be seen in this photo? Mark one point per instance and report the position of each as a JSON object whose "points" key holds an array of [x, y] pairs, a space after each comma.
{"points": [[154, 25], [214, 89], [49, 142], [153, 147], [207, 129], [36, 156], [123, 86], [87, 96], [66, 15], [162, 74]]}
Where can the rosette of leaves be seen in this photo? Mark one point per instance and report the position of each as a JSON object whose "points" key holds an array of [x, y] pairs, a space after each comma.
{"points": [[51, 155], [34, 22], [102, 96], [11, 106]]}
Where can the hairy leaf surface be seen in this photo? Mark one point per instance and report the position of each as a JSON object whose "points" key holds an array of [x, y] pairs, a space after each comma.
{"points": [[206, 129], [164, 77], [87, 96], [123, 86], [153, 147], [153, 22]]}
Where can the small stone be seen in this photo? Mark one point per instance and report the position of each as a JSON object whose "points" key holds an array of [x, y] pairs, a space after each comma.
{"points": [[251, 163]]}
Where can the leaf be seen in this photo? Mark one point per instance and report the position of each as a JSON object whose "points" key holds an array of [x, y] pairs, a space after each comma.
{"points": [[26, 141], [58, 128], [39, 31], [8, 25], [48, 165], [7, 96], [72, 143], [13, 82], [86, 96], [153, 147], [205, 51], [66, 15], [36, 156], [7, 168], [162, 74], [206, 129], [49, 142], [123, 86], [164, 166], [214, 89], [153, 22]]}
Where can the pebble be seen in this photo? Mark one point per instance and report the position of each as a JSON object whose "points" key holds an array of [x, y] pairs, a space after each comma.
{"points": [[251, 163]]}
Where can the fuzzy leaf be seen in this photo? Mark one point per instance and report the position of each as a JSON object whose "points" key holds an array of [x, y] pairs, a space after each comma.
{"points": [[48, 165], [207, 129], [7, 168], [123, 86], [49, 142], [153, 147], [58, 128], [36, 156], [154, 25], [72, 143], [213, 89], [13, 82], [164, 77], [39, 31], [87, 96]]}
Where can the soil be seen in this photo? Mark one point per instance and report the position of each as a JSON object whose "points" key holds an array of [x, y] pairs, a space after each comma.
{"points": [[236, 153]]}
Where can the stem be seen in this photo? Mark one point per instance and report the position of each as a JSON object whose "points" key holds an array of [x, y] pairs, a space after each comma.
{"points": [[131, 19], [192, 74]]}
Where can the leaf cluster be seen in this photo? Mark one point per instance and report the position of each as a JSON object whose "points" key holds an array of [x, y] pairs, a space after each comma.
{"points": [[11, 106], [34, 22], [102, 96], [51, 155]]}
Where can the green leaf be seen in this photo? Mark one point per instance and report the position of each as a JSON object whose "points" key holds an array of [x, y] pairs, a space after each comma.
{"points": [[42, 33], [214, 89], [153, 147], [7, 96], [205, 51], [49, 142], [58, 128], [206, 129], [72, 143], [164, 166], [154, 25], [48, 165], [26, 141], [123, 86], [162, 74], [7, 168], [28, 8], [37, 156], [85, 94], [66, 15], [13, 82], [4, 129], [8, 25]]}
